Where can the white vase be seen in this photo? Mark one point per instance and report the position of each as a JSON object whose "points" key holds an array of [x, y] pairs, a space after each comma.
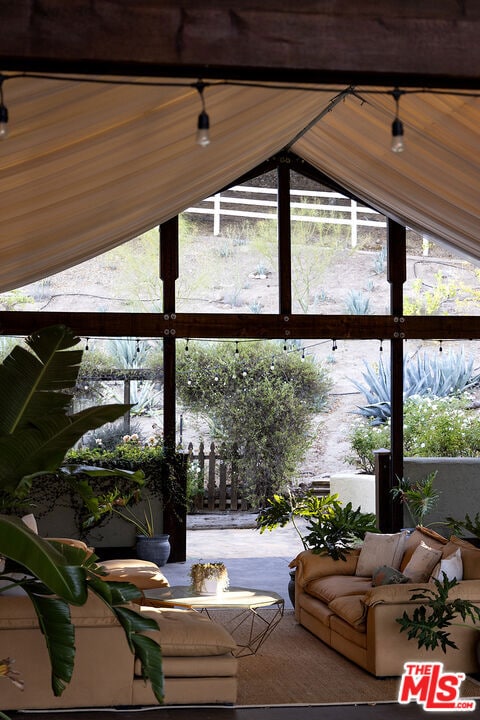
{"points": [[211, 586]]}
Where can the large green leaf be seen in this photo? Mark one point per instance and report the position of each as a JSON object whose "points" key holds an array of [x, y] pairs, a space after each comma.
{"points": [[42, 559], [55, 623], [36, 430], [28, 380]]}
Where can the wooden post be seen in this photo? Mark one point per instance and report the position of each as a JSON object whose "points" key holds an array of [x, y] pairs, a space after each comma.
{"points": [[284, 238], [397, 274], [174, 517], [382, 480]]}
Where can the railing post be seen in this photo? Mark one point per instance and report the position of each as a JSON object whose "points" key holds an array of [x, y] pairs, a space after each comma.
{"points": [[353, 223], [216, 214], [211, 477]]}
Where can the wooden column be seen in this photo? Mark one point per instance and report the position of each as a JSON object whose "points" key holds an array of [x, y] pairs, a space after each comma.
{"points": [[397, 274], [174, 515], [284, 238]]}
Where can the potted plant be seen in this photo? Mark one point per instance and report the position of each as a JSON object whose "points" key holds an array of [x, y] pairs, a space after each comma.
{"points": [[209, 578], [330, 528], [36, 430], [150, 545], [419, 497]]}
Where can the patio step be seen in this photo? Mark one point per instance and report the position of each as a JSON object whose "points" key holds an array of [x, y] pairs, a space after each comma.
{"points": [[320, 486]]}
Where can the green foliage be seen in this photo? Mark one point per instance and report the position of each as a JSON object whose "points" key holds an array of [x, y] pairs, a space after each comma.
{"points": [[469, 524], [433, 427], [265, 406], [430, 301], [94, 495], [331, 529], [420, 497], [36, 425], [337, 533], [438, 375], [428, 621], [356, 303]]}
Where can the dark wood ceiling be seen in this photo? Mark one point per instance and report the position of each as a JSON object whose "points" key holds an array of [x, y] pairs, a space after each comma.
{"points": [[428, 43]]}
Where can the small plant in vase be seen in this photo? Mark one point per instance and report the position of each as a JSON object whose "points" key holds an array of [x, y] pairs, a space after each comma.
{"points": [[209, 578]]}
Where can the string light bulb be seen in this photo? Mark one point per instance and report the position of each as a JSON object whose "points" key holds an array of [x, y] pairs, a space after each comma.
{"points": [[203, 123], [397, 125], [3, 114]]}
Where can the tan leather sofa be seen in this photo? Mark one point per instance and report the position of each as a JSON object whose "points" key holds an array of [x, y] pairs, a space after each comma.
{"points": [[198, 663], [343, 609]]}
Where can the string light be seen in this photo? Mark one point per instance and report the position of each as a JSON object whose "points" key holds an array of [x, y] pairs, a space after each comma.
{"points": [[397, 125], [203, 123], [3, 113], [381, 346], [440, 349], [334, 345]]}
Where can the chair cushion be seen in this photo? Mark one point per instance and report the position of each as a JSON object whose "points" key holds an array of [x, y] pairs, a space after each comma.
{"points": [[142, 573]]}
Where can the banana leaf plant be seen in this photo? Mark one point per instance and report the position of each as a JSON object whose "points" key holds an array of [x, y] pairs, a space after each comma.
{"points": [[37, 428]]}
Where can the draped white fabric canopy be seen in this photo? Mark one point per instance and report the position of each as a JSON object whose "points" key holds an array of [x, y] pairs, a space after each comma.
{"points": [[88, 166]]}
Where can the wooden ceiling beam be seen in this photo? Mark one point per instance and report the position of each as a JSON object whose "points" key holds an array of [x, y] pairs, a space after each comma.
{"points": [[429, 43], [226, 325]]}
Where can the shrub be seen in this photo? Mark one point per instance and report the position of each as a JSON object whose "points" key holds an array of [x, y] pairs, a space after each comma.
{"points": [[433, 427], [265, 406]]}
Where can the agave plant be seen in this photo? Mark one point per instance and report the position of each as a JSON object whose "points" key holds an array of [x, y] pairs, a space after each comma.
{"points": [[424, 374], [36, 431]]}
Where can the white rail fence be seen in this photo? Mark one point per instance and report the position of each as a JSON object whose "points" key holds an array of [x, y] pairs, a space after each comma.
{"points": [[343, 212]]}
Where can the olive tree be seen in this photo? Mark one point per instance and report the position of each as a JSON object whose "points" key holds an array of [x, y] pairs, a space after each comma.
{"points": [[259, 397]]}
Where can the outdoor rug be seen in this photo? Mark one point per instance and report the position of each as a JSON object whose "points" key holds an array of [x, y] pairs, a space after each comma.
{"points": [[293, 666]]}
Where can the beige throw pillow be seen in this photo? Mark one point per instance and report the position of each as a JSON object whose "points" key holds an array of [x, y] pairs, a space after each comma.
{"points": [[378, 550], [422, 562]]}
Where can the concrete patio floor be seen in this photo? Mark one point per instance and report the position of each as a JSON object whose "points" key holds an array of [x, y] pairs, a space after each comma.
{"points": [[252, 559]]}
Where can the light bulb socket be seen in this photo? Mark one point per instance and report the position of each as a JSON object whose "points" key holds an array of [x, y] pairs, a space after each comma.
{"points": [[397, 135], [203, 127], [3, 122]]}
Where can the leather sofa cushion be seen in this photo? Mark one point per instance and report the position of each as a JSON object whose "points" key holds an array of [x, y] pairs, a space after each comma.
{"points": [[211, 666], [352, 609], [188, 633], [334, 586], [142, 573], [17, 612], [470, 557]]}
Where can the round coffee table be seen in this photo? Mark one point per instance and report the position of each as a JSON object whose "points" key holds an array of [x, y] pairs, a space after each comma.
{"points": [[260, 611]]}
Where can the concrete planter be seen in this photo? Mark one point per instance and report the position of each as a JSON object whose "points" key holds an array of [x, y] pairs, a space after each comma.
{"points": [[355, 488]]}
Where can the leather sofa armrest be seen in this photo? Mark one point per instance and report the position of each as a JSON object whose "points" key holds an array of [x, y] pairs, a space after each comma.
{"points": [[402, 594], [310, 566]]}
